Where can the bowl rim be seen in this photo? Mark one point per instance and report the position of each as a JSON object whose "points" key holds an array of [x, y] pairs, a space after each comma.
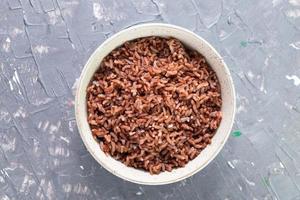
{"points": [[80, 85]]}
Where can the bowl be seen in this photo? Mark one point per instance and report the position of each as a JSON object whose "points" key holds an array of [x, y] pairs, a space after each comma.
{"points": [[191, 40]]}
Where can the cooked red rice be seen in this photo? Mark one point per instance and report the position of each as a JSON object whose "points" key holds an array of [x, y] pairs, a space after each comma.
{"points": [[154, 104]]}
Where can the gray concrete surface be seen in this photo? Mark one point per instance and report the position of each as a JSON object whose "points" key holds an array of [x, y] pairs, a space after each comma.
{"points": [[44, 45]]}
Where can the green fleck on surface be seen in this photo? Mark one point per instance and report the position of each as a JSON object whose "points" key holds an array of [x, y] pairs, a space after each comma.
{"points": [[236, 133], [266, 181], [243, 43]]}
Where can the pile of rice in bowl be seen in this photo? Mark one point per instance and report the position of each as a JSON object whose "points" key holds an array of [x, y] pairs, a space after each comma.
{"points": [[154, 104]]}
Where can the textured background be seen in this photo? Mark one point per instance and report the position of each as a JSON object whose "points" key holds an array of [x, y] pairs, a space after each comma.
{"points": [[44, 45]]}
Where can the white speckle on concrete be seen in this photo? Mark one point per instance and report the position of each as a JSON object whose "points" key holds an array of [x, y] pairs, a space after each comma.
{"points": [[281, 165], [41, 101], [71, 125], [27, 182], [260, 120], [11, 87], [293, 13], [75, 86], [81, 167], [4, 197], [161, 4], [243, 102], [250, 74], [230, 165], [40, 125], [5, 116], [266, 62], [65, 139], [8, 168], [17, 31], [67, 187], [289, 106], [2, 179], [49, 191], [251, 183], [81, 189], [16, 78], [20, 113], [294, 2], [240, 188], [295, 45], [35, 146], [240, 108], [46, 125], [6, 45], [41, 49], [39, 192], [139, 193], [8, 144], [97, 11], [295, 78], [262, 86], [54, 128], [223, 35], [56, 162], [53, 16], [108, 13], [59, 151]]}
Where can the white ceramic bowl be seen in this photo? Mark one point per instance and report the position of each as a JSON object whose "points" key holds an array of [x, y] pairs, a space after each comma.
{"points": [[191, 40]]}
